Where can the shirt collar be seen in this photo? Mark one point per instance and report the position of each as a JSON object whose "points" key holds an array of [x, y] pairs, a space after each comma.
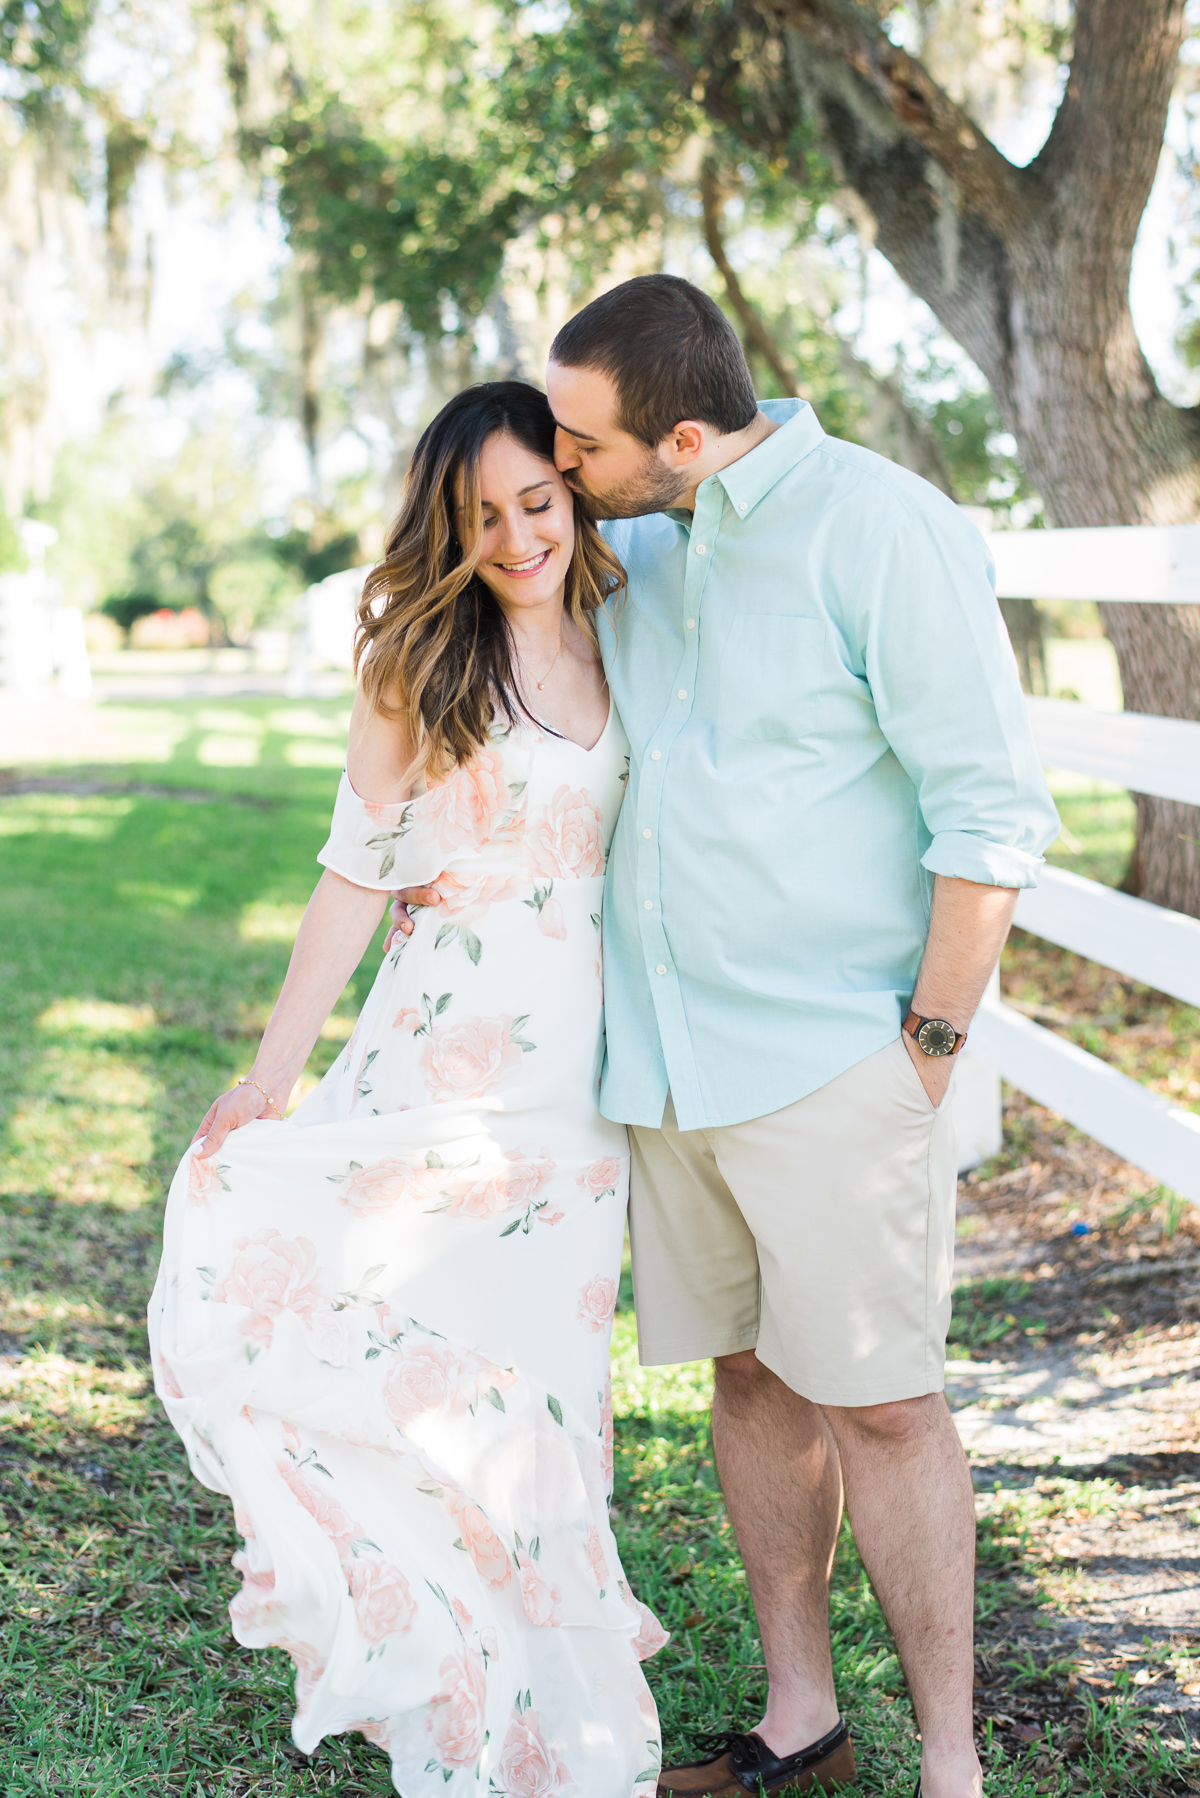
{"points": [[753, 475]]}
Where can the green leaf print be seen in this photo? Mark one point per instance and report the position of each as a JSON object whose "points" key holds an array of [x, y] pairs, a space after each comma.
{"points": [[555, 1409], [596, 919], [507, 1231], [387, 840], [442, 1003], [432, 1160], [493, 1398], [447, 934], [472, 945]]}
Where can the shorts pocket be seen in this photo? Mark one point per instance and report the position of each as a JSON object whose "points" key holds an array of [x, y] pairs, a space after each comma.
{"points": [[771, 677]]}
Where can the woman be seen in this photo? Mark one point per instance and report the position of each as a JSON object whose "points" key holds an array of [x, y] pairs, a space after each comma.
{"points": [[382, 1328]]}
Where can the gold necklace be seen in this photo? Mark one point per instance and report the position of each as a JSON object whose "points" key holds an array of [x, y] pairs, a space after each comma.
{"points": [[562, 637]]}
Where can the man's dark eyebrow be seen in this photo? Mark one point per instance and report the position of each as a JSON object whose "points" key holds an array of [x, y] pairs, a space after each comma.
{"points": [[579, 436]]}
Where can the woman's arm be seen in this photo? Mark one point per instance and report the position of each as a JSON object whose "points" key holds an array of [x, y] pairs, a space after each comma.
{"points": [[338, 923]]}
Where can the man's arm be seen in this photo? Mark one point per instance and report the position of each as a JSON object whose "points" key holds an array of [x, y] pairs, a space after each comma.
{"points": [[967, 928]]}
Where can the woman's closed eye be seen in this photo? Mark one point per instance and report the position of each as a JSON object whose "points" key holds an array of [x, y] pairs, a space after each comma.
{"points": [[530, 511]]}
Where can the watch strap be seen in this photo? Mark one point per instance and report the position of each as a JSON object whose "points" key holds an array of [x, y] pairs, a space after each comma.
{"points": [[913, 1022]]}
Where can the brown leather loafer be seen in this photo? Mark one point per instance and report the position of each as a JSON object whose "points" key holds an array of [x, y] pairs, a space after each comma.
{"points": [[744, 1763]]}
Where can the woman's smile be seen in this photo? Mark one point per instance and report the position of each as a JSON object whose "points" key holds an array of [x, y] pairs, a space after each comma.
{"points": [[531, 565]]}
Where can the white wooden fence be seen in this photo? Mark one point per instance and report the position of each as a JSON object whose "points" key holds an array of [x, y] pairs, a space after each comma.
{"points": [[1154, 565]]}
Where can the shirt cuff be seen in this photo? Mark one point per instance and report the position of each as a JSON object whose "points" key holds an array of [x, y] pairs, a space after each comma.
{"points": [[964, 856]]}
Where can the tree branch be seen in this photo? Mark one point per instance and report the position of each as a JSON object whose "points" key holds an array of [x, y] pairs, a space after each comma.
{"points": [[906, 95], [753, 329]]}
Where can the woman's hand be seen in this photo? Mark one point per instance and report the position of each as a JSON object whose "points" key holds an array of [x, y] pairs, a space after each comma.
{"points": [[402, 924], [230, 1112]]}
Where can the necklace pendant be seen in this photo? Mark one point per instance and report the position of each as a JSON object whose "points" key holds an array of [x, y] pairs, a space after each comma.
{"points": [[541, 685]]}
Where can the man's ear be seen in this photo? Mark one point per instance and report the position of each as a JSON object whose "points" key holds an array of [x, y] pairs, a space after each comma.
{"points": [[686, 442]]}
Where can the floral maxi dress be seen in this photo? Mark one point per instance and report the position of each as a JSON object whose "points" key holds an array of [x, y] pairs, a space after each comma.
{"points": [[382, 1328]]}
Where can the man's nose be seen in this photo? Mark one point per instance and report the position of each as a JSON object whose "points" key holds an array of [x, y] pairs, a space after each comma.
{"points": [[565, 454]]}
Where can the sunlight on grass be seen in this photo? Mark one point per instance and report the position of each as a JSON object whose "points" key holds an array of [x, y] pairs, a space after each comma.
{"points": [[303, 754], [266, 922], [76, 1394], [303, 721], [229, 752], [95, 1015]]}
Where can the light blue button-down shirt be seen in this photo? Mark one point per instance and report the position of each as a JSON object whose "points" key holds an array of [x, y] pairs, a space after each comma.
{"points": [[824, 713]]}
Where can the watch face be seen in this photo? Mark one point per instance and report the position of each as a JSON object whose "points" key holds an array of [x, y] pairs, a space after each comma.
{"points": [[936, 1037]]}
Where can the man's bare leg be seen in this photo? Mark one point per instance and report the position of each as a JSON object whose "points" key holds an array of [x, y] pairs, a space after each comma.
{"points": [[779, 1473], [911, 1505]]}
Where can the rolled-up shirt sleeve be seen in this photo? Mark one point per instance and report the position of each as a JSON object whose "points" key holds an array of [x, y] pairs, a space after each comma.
{"points": [[944, 682]]}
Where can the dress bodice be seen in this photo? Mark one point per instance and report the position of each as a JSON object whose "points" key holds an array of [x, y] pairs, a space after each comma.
{"points": [[528, 806]]}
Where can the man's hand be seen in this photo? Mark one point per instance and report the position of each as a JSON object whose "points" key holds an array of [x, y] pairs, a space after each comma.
{"points": [[935, 1071], [402, 924]]}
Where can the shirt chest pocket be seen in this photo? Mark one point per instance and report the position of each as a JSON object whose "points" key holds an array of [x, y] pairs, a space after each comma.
{"points": [[771, 677]]}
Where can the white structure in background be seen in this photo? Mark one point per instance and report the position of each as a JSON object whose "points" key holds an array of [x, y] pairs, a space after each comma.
{"points": [[1155, 565], [40, 640], [324, 629]]}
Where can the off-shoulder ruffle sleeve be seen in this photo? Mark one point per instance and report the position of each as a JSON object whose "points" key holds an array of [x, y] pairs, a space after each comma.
{"points": [[379, 846]]}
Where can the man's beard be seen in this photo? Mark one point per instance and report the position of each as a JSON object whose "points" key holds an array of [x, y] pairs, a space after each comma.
{"points": [[653, 489]]}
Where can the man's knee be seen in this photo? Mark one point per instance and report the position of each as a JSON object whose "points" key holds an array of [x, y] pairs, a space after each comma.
{"points": [[903, 1423]]}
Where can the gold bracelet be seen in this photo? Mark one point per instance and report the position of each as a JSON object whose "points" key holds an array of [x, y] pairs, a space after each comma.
{"points": [[245, 1080]]}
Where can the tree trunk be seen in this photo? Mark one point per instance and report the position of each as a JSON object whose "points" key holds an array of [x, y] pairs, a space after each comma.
{"points": [[1028, 268]]}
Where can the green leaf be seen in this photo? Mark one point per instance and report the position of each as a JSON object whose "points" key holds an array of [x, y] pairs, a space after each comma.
{"points": [[442, 1003], [370, 1059], [433, 1160], [372, 1272], [554, 1408], [472, 945], [507, 1230], [493, 1398], [446, 934], [387, 862], [354, 1166], [596, 919]]}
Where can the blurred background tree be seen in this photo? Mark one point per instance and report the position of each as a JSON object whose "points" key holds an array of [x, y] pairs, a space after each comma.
{"points": [[384, 203]]}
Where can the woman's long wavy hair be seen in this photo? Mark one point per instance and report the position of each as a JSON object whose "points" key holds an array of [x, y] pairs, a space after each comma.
{"points": [[433, 645]]}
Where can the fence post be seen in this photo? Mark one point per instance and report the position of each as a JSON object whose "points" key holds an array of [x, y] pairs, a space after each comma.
{"points": [[977, 1105]]}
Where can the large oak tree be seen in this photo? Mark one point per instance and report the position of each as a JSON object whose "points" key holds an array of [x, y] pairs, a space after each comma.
{"points": [[1027, 267]]}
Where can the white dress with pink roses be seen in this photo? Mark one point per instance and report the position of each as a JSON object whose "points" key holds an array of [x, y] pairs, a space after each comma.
{"points": [[382, 1328]]}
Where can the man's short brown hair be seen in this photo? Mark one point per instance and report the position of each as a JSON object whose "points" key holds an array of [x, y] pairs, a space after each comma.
{"points": [[669, 351]]}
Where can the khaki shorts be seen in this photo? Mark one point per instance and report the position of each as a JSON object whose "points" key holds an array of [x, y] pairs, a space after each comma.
{"points": [[821, 1236]]}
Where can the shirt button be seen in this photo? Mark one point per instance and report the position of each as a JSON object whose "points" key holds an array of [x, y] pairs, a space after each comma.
{"points": [[661, 968], [649, 904], [683, 692], [647, 834], [701, 549], [742, 505], [656, 755], [691, 624]]}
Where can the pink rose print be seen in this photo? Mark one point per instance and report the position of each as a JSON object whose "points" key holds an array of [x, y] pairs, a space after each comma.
{"points": [[386, 1184], [457, 1709], [166, 1379], [310, 1668], [376, 1729], [325, 1511], [489, 1642], [255, 1606], [467, 1059], [328, 1338], [431, 1376], [480, 1540], [271, 1273], [243, 1522], [596, 1557], [383, 1603], [540, 1600], [406, 1019], [606, 1432], [464, 809], [510, 1188], [466, 901], [462, 1616], [651, 1635], [529, 1765], [597, 1302], [551, 921], [564, 837], [602, 1178], [205, 1181]]}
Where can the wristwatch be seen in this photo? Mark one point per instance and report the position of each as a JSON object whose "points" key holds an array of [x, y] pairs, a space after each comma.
{"points": [[933, 1036]]}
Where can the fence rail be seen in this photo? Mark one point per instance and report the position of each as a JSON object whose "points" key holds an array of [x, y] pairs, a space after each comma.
{"points": [[1161, 948]]}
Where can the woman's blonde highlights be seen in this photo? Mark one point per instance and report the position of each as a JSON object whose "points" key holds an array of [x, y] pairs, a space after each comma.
{"points": [[432, 648]]}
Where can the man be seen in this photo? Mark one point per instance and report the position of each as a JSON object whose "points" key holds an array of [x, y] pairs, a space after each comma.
{"points": [[833, 798]]}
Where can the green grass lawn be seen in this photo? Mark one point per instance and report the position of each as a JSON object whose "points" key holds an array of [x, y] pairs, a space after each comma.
{"points": [[143, 939]]}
